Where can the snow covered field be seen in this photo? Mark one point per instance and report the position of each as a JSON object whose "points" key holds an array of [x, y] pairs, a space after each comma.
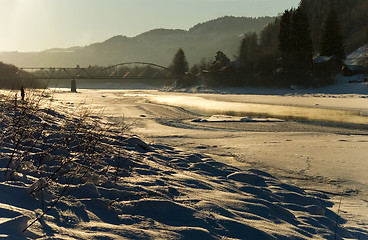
{"points": [[192, 176]]}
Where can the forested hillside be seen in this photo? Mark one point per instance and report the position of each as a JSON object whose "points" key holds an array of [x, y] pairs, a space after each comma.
{"points": [[352, 15], [282, 53], [157, 46]]}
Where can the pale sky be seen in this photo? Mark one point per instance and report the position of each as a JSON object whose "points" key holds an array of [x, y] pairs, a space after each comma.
{"points": [[36, 25]]}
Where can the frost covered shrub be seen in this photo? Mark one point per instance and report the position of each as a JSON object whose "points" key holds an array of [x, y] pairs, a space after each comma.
{"points": [[53, 150]]}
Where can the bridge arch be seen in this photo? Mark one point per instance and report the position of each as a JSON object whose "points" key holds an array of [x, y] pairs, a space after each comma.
{"points": [[142, 63], [145, 70]]}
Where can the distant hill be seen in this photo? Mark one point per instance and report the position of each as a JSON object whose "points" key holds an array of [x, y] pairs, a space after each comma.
{"points": [[157, 46]]}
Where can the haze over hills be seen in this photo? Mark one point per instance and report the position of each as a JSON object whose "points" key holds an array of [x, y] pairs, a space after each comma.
{"points": [[157, 46]]}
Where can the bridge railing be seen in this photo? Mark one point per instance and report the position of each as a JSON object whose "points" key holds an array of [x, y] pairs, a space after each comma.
{"points": [[131, 70]]}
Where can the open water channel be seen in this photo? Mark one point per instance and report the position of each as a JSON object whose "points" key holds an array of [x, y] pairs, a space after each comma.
{"points": [[316, 113]]}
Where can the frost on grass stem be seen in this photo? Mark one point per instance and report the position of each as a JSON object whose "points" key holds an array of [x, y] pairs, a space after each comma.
{"points": [[54, 149]]}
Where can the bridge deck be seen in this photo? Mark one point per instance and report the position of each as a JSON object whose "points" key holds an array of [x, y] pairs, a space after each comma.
{"points": [[119, 71]]}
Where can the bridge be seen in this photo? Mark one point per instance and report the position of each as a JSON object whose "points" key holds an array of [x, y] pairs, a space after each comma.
{"points": [[118, 73], [128, 70]]}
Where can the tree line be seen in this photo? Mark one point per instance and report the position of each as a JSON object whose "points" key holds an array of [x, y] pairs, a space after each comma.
{"points": [[353, 16], [10, 78], [280, 56]]}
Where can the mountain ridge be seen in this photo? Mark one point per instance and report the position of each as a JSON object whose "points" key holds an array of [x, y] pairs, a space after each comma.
{"points": [[202, 40]]}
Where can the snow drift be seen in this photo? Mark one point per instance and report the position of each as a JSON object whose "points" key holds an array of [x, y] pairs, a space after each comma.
{"points": [[69, 174]]}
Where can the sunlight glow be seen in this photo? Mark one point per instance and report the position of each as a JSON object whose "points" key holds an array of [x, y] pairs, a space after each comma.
{"points": [[41, 24], [209, 107]]}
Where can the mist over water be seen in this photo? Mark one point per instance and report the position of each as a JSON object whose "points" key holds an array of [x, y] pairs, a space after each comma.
{"points": [[210, 107]]}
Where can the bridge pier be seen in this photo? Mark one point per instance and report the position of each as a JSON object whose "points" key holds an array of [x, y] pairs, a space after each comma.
{"points": [[73, 86]]}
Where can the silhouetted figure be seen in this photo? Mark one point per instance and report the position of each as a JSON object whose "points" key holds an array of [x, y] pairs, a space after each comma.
{"points": [[22, 94]]}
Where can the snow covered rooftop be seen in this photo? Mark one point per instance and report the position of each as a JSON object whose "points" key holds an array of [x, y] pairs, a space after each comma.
{"points": [[322, 59]]}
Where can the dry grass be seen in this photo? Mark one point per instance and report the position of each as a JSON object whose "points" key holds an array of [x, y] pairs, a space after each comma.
{"points": [[57, 149]]}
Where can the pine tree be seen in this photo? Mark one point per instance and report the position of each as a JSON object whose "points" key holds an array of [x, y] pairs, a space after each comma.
{"points": [[221, 60], [179, 65], [294, 33], [248, 50], [331, 40], [296, 45], [285, 32], [268, 40], [301, 38]]}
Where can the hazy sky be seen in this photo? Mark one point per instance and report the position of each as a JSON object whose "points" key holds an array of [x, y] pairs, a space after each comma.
{"points": [[34, 25]]}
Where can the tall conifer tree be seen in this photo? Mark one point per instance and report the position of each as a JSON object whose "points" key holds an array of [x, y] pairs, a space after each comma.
{"points": [[248, 50], [285, 32], [179, 65], [331, 40], [301, 38], [296, 45]]}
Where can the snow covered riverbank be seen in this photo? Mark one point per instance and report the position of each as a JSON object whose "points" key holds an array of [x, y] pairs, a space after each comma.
{"points": [[69, 174]]}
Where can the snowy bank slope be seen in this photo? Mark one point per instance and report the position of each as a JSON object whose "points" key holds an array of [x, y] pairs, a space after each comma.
{"points": [[75, 176], [358, 57]]}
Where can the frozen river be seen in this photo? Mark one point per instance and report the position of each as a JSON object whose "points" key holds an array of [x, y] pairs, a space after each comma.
{"points": [[319, 156], [289, 110]]}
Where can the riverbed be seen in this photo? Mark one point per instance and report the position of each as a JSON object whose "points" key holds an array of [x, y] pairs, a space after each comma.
{"points": [[319, 154]]}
